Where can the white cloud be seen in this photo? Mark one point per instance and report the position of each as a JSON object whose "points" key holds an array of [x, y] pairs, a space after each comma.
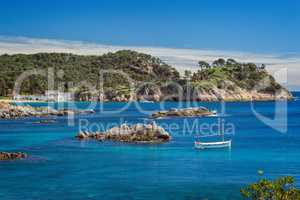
{"points": [[179, 58]]}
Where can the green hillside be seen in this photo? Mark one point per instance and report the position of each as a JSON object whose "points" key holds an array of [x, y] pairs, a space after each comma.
{"points": [[76, 68]]}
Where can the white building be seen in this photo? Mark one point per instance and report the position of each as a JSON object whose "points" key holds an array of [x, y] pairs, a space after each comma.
{"points": [[29, 97], [54, 95], [50, 95]]}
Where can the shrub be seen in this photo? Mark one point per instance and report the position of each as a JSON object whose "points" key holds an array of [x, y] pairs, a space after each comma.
{"points": [[280, 189]]}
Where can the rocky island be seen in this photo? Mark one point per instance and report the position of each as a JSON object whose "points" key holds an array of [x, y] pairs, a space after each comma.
{"points": [[144, 77], [137, 133], [184, 112], [12, 156]]}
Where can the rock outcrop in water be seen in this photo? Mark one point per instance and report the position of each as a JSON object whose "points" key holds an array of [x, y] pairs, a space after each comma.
{"points": [[10, 111], [185, 112], [12, 156], [137, 133]]}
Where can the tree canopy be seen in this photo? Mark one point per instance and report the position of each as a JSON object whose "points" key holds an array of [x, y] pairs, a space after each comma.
{"points": [[76, 68]]}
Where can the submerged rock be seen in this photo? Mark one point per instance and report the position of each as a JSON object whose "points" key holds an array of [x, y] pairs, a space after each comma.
{"points": [[45, 121], [186, 112], [137, 133], [12, 156], [86, 135]]}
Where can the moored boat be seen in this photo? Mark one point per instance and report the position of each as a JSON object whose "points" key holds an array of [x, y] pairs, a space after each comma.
{"points": [[210, 145], [146, 101]]}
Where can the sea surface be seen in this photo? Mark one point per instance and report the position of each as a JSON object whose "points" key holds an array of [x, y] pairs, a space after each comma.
{"points": [[61, 167]]}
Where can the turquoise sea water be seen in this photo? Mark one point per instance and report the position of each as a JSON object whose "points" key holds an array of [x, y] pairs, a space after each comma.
{"points": [[60, 167]]}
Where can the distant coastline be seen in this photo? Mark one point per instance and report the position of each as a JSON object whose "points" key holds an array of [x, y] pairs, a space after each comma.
{"points": [[132, 101]]}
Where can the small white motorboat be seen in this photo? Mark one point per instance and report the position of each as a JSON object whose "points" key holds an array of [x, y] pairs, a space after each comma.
{"points": [[212, 145]]}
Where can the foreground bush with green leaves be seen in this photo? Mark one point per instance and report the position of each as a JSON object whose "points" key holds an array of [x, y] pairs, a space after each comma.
{"points": [[280, 189]]}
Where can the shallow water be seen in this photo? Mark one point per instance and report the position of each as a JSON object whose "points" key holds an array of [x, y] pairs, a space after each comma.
{"points": [[60, 167]]}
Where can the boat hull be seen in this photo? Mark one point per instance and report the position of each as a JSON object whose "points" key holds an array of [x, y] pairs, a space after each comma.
{"points": [[213, 145]]}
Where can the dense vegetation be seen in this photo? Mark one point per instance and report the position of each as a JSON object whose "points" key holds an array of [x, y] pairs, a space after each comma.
{"points": [[76, 68], [244, 75]]}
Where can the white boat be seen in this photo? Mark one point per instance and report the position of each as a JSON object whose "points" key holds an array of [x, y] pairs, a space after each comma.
{"points": [[146, 101], [212, 145], [214, 112]]}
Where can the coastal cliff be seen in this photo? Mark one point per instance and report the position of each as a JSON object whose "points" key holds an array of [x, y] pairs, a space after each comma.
{"points": [[132, 76], [231, 93]]}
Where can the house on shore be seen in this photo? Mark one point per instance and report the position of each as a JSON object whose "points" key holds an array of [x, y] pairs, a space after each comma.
{"points": [[54, 95], [50, 95]]}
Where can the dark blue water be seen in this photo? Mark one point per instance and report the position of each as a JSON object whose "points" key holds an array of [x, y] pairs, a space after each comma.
{"points": [[60, 167]]}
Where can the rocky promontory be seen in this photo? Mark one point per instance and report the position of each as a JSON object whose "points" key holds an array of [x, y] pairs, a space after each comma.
{"points": [[12, 156], [11, 111], [137, 133], [184, 112]]}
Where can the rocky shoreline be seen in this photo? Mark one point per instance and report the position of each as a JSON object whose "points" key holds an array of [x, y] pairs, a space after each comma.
{"points": [[239, 94], [230, 93], [10, 111], [213, 95], [185, 112], [137, 133], [12, 156]]}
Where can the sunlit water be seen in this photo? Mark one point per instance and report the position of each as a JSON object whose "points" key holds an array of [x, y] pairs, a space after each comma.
{"points": [[61, 167]]}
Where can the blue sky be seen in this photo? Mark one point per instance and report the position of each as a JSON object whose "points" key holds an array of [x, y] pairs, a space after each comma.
{"points": [[253, 26], [179, 32]]}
